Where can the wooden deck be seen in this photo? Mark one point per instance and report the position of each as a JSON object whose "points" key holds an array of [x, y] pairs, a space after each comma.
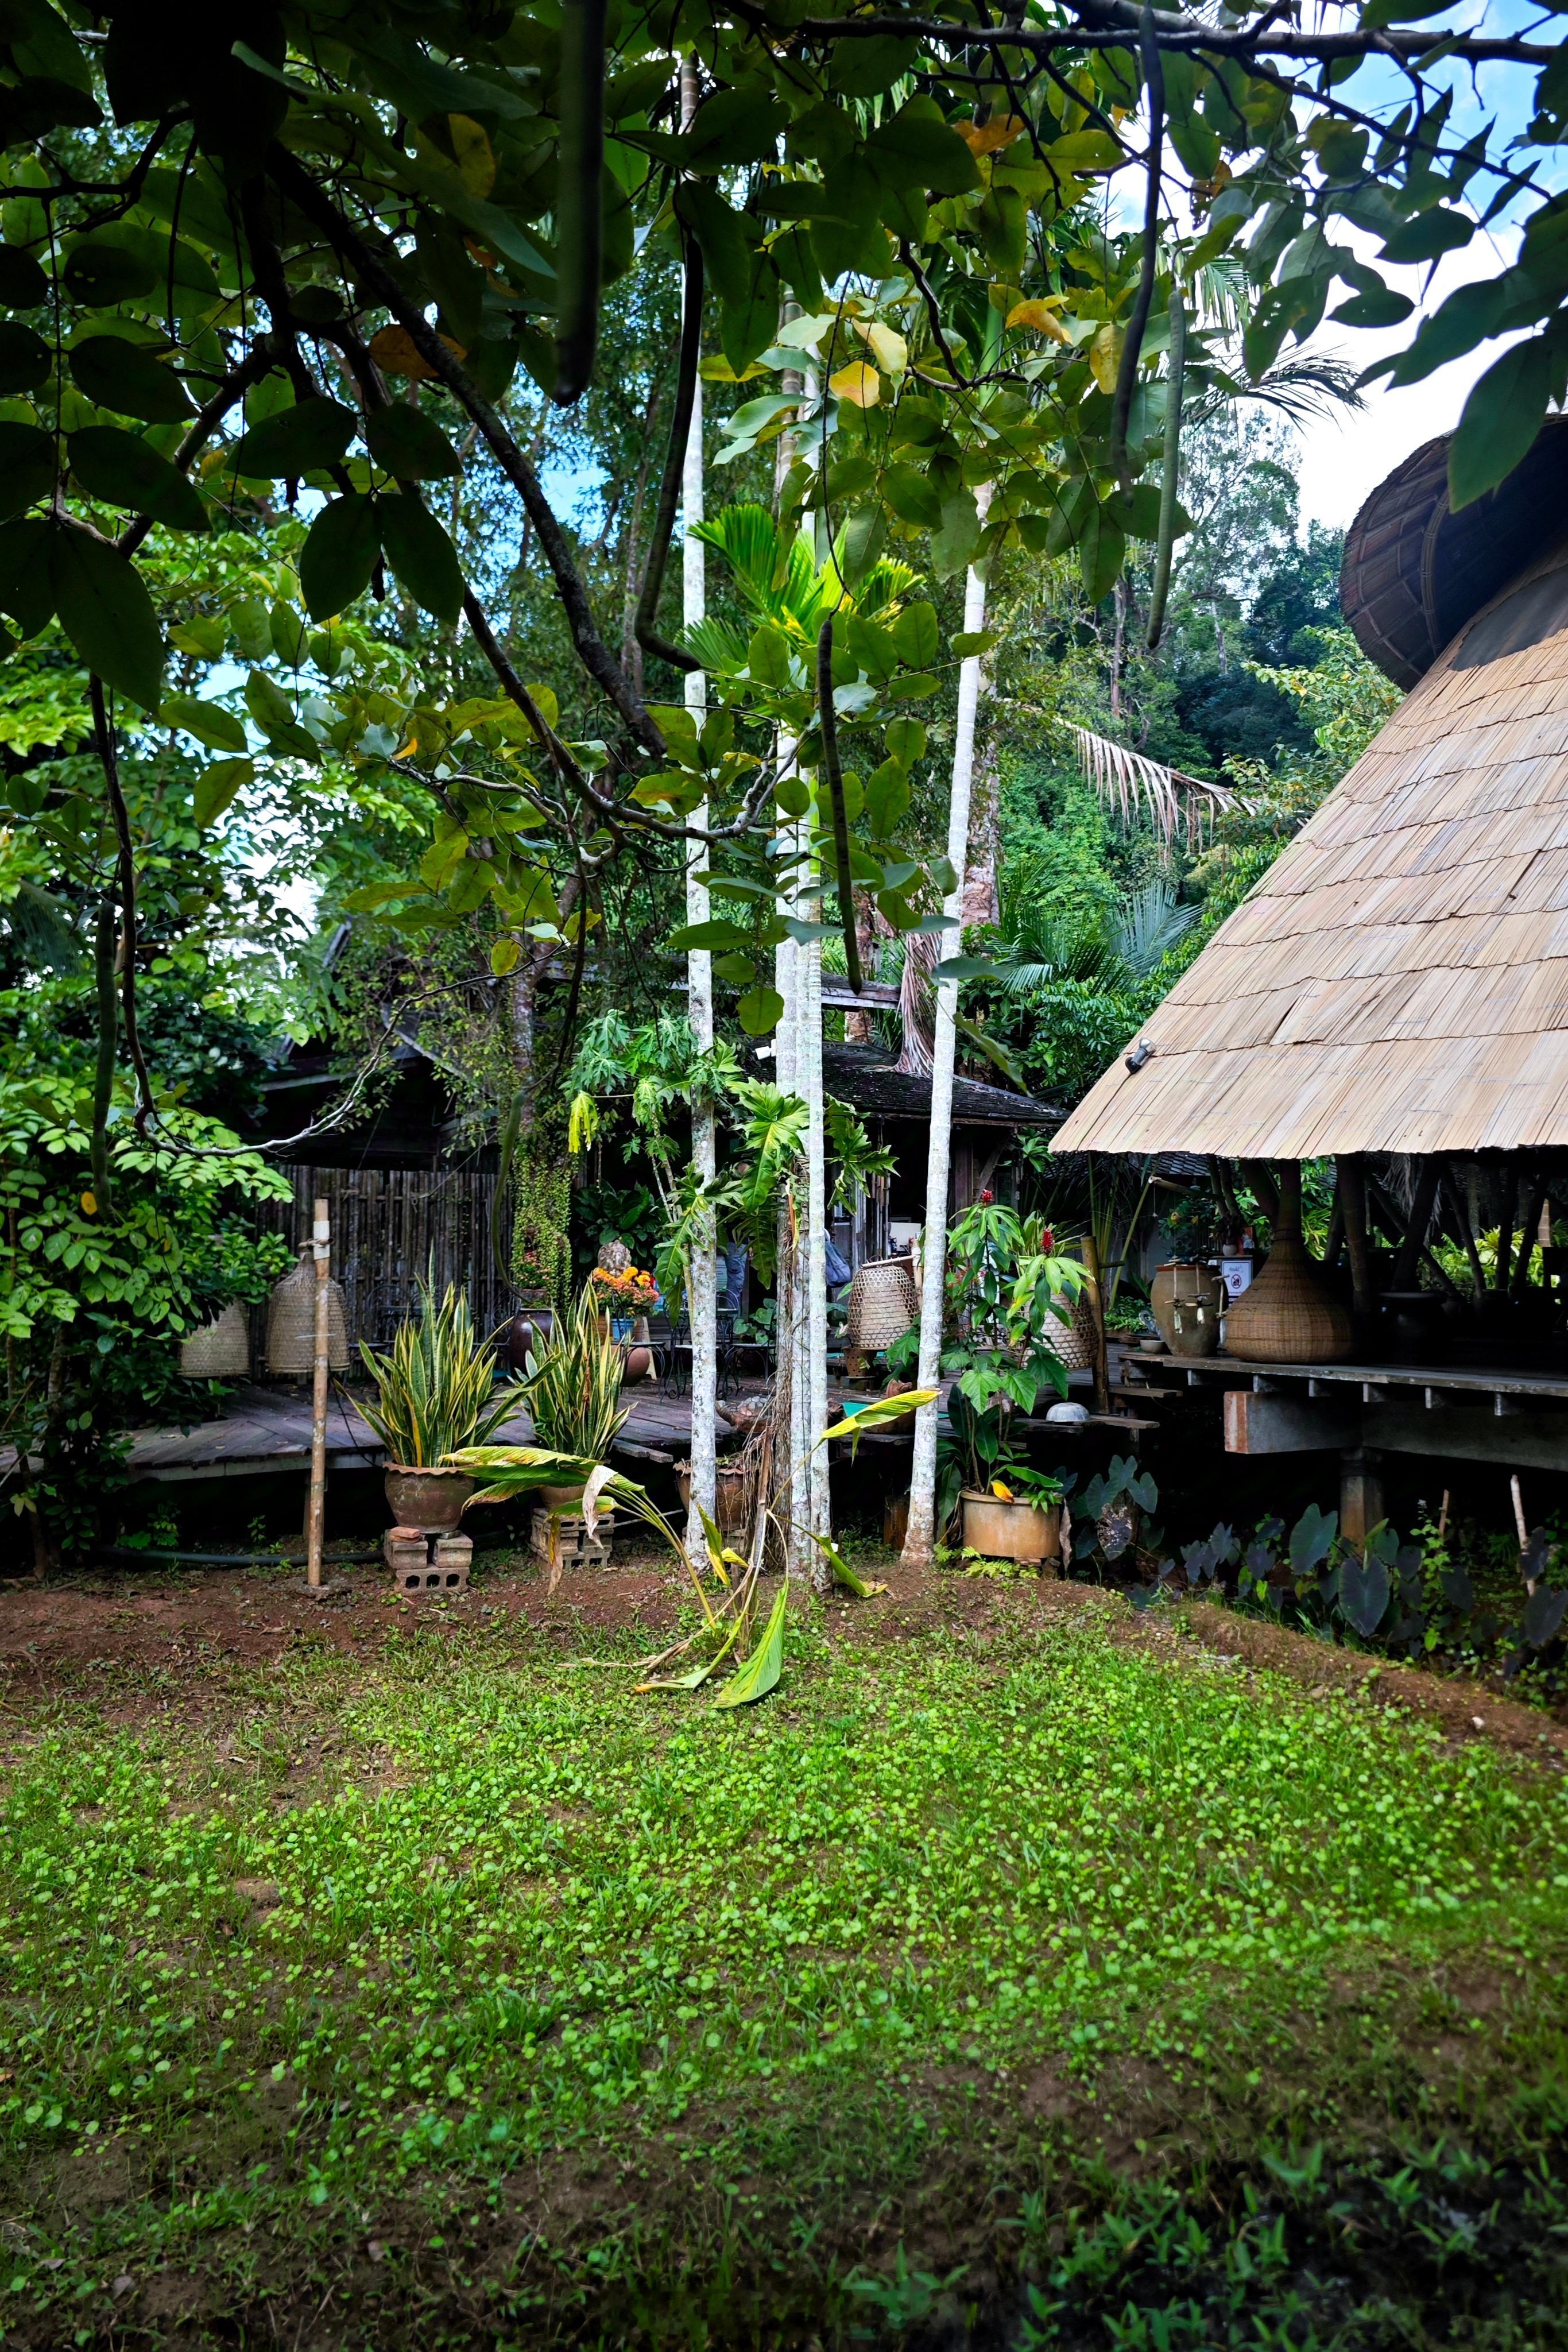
{"points": [[269, 1430]]}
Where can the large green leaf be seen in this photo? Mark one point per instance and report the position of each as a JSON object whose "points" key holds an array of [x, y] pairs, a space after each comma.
{"points": [[25, 358], [98, 272], [422, 555], [106, 612], [125, 376], [919, 149], [207, 722], [218, 786], [1501, 417], [117, 465], [915, 635], [23, 285], [27, 467], [305, 439], [339, 556], [758, 1674], [27, 593], [409, 445]]}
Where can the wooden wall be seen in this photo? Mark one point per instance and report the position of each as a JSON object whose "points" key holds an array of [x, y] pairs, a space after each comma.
{"points": [[388, 1223]]}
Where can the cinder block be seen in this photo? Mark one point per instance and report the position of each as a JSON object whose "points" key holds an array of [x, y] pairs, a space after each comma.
{"points": [[565, 1540], [424, 1563]]}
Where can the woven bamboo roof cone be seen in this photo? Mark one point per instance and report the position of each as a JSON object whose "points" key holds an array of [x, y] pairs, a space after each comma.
{"points": [[291, 1323], [1398, 980]]}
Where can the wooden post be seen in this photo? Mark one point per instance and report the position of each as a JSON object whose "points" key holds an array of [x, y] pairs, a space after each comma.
{"points": [[1090, 1254], [1360, 1493], [321, 1244], [1358, 1246]]}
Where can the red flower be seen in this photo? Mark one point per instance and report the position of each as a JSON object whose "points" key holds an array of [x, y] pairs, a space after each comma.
{"points": [[985, 1199]]}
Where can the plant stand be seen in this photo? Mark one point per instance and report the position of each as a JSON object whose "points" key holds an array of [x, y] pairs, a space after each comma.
{"points": [[426, 1560], [561, 1538]]}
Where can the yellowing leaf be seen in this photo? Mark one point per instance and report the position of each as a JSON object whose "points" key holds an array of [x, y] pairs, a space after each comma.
{"points": [[1039, 315], [476, 156], [984, 138], [395, 352], [859, 385], [505, 957], [1003, 1492], [891, 351], [1105, 356], [89, 1204]]}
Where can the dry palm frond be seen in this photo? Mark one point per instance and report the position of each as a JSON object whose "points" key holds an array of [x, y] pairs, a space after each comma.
{"points": [[916, 1006], [1176, 805]]}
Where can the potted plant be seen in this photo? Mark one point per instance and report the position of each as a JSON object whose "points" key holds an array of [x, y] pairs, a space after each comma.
{"points": [[572, 1391], [1005, 1288], [435, 1394]]}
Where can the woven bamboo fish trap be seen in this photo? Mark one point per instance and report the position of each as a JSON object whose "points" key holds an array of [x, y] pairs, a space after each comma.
{"points": [[883, 1304], [1398, 980], [291, 1324], [220, 1350], [1072, 1335]]}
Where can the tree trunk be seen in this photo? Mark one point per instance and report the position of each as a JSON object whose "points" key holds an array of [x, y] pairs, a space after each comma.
{"points": [[702, 1292], [920, 1540], [982, 902], [813, 1253]]}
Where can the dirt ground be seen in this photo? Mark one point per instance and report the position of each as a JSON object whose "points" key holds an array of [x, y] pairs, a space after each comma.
{"points": [[177, 1628]]}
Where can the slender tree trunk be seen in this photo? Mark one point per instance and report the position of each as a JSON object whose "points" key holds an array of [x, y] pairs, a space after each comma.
{"points": [[921, 1538], [702, 1294], [981, 897], [809, 1084], [790, 1376]]}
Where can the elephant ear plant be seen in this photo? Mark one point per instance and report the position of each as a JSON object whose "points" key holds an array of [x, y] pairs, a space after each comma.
{"points": [[435, 1388]]}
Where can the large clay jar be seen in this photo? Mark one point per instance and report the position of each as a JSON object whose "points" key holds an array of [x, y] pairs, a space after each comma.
{"points": [[520, 1333], [427, 1498], [1016, 1530], [1288, 1314], [1162, 1292], [1198, 1299]]}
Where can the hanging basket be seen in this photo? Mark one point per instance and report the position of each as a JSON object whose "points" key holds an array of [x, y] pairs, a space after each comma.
{"points": [[884, 1304], [291, 1324], [220, 1350], [1072, 1335]]}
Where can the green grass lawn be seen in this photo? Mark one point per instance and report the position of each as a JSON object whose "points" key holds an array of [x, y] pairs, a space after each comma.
{"points": [[1051, 1990]]}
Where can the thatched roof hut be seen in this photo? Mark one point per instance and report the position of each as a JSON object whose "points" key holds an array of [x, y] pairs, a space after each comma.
{"points": [[1397, 982]]}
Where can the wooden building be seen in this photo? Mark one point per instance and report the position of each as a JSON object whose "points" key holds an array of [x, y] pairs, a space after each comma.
{"points": [[1393, 992]]}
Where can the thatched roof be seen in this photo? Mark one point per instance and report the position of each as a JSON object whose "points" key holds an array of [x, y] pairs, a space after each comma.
{"points": [[1413, 574], [1398, 979]]}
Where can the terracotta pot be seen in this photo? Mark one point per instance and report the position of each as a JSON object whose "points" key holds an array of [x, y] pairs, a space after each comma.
{"points": [[1288, 1314], [639, 1363], [733, 1483], [1199, 1300], [1011, 1531], [427, 1498], [560, 1498], [520, 1333], [1178, 1277]]}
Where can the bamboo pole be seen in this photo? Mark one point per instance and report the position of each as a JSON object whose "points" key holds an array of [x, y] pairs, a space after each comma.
{"points": [[315, 1526], [1089, 1249], [920, 1540], [702, 1271]]}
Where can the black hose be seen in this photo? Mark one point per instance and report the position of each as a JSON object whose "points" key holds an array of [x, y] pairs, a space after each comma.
{"points": [[129, 1554]]}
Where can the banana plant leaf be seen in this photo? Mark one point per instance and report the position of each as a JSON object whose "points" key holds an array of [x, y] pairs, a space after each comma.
{"points": [[877, 1415], [843, 1573], [756, 1674]]}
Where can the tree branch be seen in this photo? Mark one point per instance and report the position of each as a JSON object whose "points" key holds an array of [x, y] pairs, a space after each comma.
{"points": [[644, 626]]}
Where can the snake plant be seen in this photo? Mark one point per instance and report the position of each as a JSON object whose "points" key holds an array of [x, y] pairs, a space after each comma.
{"points": [[435, 1388], [573, 1386]]}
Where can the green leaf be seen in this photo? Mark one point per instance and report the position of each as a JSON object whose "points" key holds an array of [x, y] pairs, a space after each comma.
{"points": [[1102, 550], [916, 635], [102, 274], [286, 631], [760, 1673], [125, 376], [1501, 418], [505, 957], [887, 797], [338, 557], [906, 739], [718, 931], [409, 445], [913, 496], [726, 238], [1428, 235], [219, 785], [25, 590], [25, 358], [919, 149], [308, 439], [421, 554], [23, 285], [27, 467], [251, 628], [116, 464], [106, 612], [768, 656], [977, 641], [220, 729], [760, 1011], [953, 545], [274, 714]]}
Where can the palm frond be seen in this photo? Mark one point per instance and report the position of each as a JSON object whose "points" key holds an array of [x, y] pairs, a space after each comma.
{"points": [[1128, 781], [1148, 927], [718, 644]]}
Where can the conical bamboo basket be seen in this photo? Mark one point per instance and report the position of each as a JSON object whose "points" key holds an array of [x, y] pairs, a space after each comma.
{"points": [[220, 1350], [291, 1323], [1288, 1314]]}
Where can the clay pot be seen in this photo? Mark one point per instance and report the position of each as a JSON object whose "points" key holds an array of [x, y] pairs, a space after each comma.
{"points": [[638, 1364], [1288, 1314], [520, 1333], [560, 1498], [1162, 1292], [1016, 1531], [427, 1498], [734, 1483], [1198, 1299]]}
